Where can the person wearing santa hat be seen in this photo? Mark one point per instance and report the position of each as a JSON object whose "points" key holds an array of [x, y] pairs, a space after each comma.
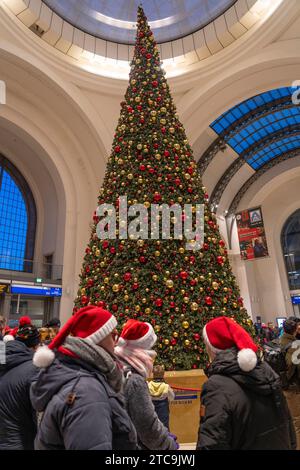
{"points": [[135, 353], [78, 388], [242, 404]]}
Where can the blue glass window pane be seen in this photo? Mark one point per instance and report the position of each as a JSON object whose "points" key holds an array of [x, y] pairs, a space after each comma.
{"points": [[13, 225]]}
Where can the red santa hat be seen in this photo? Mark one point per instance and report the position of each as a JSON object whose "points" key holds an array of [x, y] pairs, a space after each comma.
{"points": [[9, 334], [224, 333], [137, 334], [92, 323]]}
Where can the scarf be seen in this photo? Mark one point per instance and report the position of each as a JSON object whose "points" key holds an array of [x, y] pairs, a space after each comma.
{"points": [[97, 357], [141, 360]]}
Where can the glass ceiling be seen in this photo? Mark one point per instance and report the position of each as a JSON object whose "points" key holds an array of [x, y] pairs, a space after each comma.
{"points": [[115, 20], [263, 127]]}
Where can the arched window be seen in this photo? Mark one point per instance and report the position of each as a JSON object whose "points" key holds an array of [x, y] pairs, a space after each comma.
{"points": [[17, 219], [290, 239]]}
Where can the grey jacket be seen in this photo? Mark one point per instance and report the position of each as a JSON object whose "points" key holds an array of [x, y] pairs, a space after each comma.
{"points": [[80, 411], [152, 434]]}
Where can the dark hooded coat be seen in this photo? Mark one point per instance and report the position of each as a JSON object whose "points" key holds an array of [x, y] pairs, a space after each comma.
{"points": [[243, 410]]}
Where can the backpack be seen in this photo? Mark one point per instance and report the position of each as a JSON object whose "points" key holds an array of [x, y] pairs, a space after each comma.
{"points": [[274, 355]]}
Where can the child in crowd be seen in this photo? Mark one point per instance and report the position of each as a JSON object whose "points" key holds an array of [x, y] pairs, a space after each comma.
{"points": [[161, 394]]}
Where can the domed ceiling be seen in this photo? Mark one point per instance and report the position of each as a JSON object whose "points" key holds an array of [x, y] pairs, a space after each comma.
{"points": [[114, 20]]}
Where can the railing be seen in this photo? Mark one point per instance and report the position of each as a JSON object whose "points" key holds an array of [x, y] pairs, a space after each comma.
{"points": [[23, 269]]}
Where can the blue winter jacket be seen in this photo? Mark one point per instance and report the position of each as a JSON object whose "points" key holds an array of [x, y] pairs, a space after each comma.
{"points": [[78, 410]]}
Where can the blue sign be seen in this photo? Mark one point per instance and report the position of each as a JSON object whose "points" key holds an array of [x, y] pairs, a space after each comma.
{"points": [[295, 299], [36, 290]]}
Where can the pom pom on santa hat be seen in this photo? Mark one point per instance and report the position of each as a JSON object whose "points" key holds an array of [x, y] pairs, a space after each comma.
{"points": [[137, 334], [92, 323], [224, 333], [24, 321]]}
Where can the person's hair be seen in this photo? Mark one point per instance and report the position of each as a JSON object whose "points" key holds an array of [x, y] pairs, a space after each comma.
{"points": [[158, 372], [2, 322], [295, 319], [289, 326], [54, 322]]}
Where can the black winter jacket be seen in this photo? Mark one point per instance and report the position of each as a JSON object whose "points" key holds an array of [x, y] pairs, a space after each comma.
{"points": [[17, 417], [79, 410], [243, 410]]}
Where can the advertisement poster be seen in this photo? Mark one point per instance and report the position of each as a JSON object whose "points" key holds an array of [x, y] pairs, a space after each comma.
{"points": [[251, 232]]}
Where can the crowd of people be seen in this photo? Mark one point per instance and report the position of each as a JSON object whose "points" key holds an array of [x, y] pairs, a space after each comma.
{"points": [[84, 387]]}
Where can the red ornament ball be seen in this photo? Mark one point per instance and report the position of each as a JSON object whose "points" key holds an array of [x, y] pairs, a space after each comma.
{"points": [[208, 300], [127, 277], [117, 149], [183, 275], [158, 302]]}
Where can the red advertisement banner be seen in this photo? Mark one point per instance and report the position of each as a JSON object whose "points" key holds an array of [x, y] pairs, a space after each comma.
{"points": [[251, 233]]}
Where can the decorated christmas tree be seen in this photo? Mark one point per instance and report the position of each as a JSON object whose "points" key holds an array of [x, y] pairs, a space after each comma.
{"points": [[159, 280]]}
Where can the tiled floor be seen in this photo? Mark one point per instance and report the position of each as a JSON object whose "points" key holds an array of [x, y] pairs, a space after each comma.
{"points": [[189, 446]]}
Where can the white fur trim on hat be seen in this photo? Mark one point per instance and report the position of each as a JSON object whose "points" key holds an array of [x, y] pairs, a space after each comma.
{"points": [[8, 338], [247, 359], [145, 342], [208, 343], [104, 331], [43, 357]]}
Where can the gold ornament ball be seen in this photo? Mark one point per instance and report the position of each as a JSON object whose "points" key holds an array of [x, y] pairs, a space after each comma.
{"points": [[186, 300], [187, 342], [194, 306], [167, 342], [181, 250], [137, 308], [126, 298], [175, 334], [147, 311], [215, 285], [157, 253], [185, 324], [83, 291], [169, 283], [106, 280], [130, 176], [155, 277]]}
